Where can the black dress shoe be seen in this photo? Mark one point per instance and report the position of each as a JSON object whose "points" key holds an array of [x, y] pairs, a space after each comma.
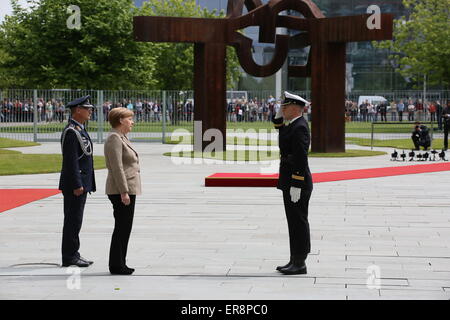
{"points": [[121, 271], [298, 266], [285, 266], [86, 260], [76, 262]]}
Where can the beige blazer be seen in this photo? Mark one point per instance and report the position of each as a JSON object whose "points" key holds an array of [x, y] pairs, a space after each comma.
{"points": [[122, 162]]}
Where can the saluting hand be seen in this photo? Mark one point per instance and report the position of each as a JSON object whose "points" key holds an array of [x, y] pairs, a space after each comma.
{"points": [[125, 198], [279, 114], [78, 192]]}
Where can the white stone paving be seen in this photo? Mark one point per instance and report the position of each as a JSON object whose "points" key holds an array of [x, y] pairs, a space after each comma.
{"points": [[192, 242]]}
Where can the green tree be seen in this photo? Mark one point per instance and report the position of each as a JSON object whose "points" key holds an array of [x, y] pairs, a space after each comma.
{"points": [[421, 44], [7, 80], [38, 50], [175, 61], [41, 51]]}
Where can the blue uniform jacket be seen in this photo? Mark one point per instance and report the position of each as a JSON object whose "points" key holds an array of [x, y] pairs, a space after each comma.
{"points": [[77, 168]]}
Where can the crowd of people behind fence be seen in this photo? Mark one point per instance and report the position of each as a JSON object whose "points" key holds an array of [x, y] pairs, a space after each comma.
{"points": [[400, 110], [15, 110], [147, 110], [237, 110], [54, 110], [254, 109]]}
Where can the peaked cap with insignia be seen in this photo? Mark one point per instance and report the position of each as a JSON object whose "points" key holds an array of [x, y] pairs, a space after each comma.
{"points": [[81, 102], [289, 98]]}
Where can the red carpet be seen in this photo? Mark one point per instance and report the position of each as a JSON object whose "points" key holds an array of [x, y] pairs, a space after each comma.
{"points": [[13, 198], [259, 180]]}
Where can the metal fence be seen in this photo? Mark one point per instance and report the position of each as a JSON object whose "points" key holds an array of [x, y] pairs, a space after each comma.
{"points": [[405, 95], [40, 115]]}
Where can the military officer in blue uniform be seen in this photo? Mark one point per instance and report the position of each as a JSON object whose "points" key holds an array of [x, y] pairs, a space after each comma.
{"points": [[77, 178], [295, 178]]}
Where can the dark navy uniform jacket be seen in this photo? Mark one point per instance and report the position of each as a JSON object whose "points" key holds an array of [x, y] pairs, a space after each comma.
{"points": [[445, 111], [294, 140], [77, 167]]}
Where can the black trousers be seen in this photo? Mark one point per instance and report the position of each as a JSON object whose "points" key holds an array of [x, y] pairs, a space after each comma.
{"points": [[298, 225], [73, 218], [446, 127], [123, 216], [418, 143]]}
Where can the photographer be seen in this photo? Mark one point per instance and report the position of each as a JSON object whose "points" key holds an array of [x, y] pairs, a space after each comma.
{"points": [[446, 122], [421, 136]]}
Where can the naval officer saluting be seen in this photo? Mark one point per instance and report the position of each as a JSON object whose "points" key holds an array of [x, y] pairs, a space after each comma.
{"points": [[77, 178], [295, 179]]}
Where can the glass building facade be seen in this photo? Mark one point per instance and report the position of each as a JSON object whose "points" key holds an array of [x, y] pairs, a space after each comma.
{"points": [[367, 68]]}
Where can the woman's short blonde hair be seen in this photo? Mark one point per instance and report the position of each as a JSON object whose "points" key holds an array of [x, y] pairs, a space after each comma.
{"points": [[116, 114]]}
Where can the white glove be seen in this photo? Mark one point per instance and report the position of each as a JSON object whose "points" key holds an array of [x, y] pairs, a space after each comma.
{"points": [[295, 194], [279, 114]]}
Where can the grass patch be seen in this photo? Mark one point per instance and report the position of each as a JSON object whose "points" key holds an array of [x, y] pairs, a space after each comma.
{"points": [[4, 152], [366, 127], [235, 141], [11, 143], [230, 155], [93, 126], [144, 139], [14, 162], [351, 153], [252, 155], [393, 143]]}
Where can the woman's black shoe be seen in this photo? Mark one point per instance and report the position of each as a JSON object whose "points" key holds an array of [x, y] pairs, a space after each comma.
{"points": [[122, 271]]}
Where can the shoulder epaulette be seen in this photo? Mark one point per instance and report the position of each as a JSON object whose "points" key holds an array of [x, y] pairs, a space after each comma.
{"points": [[76, 129]]}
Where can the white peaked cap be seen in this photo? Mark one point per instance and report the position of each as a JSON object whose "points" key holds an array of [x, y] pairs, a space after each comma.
{"points": [[293, 98]]}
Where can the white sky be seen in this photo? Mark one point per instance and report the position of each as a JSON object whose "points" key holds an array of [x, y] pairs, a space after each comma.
{"points": [[5, 8]]}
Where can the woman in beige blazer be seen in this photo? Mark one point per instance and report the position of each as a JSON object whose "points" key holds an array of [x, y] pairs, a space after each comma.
{"points": [[122, 185]]}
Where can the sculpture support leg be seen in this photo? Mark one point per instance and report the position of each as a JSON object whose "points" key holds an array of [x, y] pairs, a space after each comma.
{"points": [[210, 90], [328, 97]]}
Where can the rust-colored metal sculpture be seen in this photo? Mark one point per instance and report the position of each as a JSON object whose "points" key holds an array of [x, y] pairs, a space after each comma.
{"points": [[326, 63]]}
